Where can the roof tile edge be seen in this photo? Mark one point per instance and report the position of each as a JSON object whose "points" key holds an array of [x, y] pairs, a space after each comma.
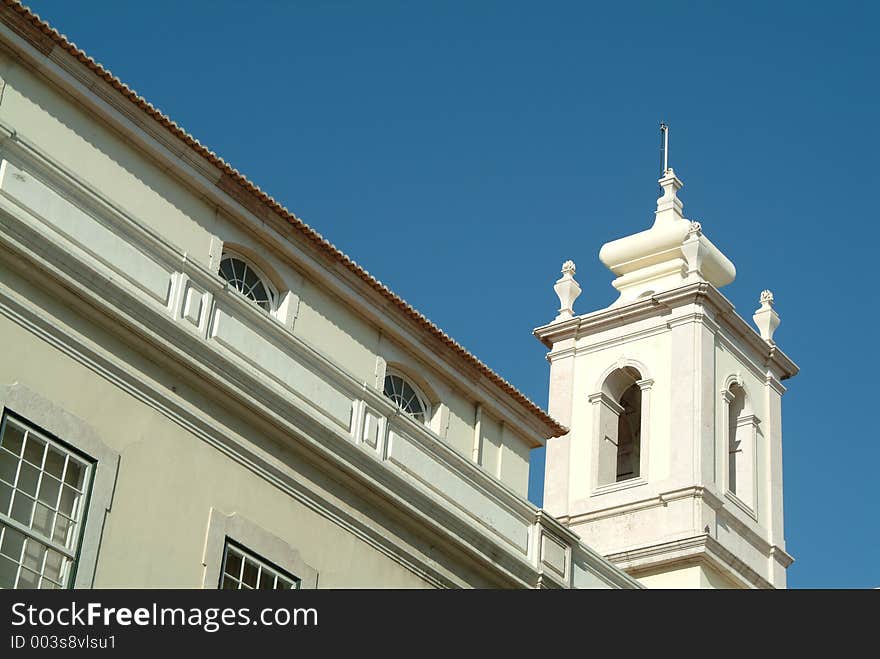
{"points": [[41, 31]]}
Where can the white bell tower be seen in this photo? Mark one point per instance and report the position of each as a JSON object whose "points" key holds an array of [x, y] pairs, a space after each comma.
{"points": [[672, 467]]}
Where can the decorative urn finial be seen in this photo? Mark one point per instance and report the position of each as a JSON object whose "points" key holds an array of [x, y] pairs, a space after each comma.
{"points": [[766, 319], [568, 290]]}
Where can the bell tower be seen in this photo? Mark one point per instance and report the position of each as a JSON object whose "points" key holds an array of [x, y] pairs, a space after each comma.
{"points": [[672, 467]]}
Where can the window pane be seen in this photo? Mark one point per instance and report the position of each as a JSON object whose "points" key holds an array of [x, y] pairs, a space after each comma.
{"points": [[28, 475], [54, 565], [67, 505], [34, 449], [54, 463], [13, 438], [49, 488], [229, 583], [74, 474], [267, 580], [28, 579], [233, 564], [8, 569], [43, 519], [33, 555], [13, 542], [62, 527], [250, 279], [250, 574], [226, 270], [21, 508], [5, 498], [8, 466]]}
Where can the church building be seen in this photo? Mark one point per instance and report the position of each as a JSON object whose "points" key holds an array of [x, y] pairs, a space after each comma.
{"points": [[672, 467], [198, 390]]}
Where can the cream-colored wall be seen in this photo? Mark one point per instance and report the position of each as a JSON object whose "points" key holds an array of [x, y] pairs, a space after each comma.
{"points": [[460, 431], [653, 352], [678, 578], [103, 159], [490, 444], [169, 479], [691, 576], [324, 324], [108, 163]]}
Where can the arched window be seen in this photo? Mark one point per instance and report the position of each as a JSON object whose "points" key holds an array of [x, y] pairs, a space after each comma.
{"points": [[619, 426], [249, 281], [629, 433], [407, 397], [742, 427], [736, 440]]}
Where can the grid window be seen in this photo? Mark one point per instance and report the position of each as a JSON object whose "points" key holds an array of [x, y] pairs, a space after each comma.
{"points": [[245, 571], [43, 488]]}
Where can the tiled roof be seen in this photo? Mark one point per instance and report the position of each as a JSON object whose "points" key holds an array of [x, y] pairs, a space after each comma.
{"points": [[44, 38]]}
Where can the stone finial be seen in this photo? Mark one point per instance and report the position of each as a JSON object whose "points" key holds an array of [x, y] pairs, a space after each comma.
{"points": [[766, 319], [568, 290], [669, 206], [695, 229]]}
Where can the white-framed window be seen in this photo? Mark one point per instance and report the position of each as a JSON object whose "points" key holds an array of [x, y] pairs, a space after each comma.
{"points": [[240, 555], [44, 489], [247, 279], [407, 396], [244, 570]]}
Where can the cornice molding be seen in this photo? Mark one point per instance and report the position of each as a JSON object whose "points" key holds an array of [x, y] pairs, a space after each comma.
{"points": [[111, 303], [178, 158], [701, 293], [688, 551]]}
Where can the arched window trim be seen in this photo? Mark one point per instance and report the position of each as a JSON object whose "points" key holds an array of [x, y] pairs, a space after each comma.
{"points": [[745, 492], [423, 398], [603, 398], [266, 280]]}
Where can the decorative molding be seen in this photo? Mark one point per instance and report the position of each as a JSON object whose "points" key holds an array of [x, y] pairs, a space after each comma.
{"points": [[255, 539], [700, 293], [113, 300]]}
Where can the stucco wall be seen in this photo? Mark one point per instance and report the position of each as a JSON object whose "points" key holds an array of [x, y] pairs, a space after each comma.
{"points": [[131, 180], [169, 479]]}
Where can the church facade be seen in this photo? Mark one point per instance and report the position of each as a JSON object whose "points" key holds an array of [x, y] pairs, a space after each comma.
{"points": [[198, 390]]}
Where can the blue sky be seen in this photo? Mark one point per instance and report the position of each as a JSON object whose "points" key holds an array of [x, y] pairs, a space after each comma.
{"points": [[461, 151]]}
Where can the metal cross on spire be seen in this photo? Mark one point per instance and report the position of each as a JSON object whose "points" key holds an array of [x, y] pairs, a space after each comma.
{"points": [[664, 148]]}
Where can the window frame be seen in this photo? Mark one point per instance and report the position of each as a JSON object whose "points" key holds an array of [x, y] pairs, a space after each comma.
{"points": [[79, 514], [262, 564], [77, 436], [257, 541], [419, 392], [270, 286]]}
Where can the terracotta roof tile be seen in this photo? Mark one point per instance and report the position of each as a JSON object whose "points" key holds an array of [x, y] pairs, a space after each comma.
{"points": [[42, 36]]}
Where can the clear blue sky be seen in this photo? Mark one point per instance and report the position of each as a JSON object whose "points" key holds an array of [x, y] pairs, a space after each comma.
{"points": [[461, 151]]}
